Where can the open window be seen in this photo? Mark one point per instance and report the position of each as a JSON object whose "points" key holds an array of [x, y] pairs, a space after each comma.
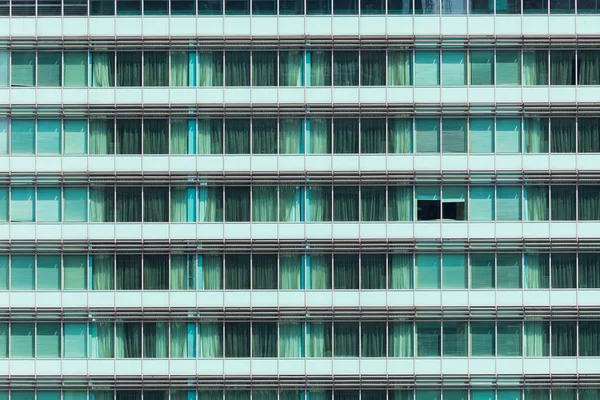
{"points": [[428, 203], [454, 203]]}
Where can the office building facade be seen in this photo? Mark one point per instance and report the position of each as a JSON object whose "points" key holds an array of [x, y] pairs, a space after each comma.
{"points": [[299, 200]]}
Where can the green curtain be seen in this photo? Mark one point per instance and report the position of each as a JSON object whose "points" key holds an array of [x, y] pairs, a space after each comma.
{"points": [[589, 338], [562, 135], [563, 270], [563, 202], [129, 202], [211, 340], [156, 340], [129, 68], [588, 67], [264, 271], [209, 395], [373, 203], [290, 204], [320, 203], [589, 394], [210, 136], [320, 272], [564, 339], [179, 198], [129, 136], [129, 272], [180, 68], [400, 203], [264, 68], [290, 272], [290, 68], [537, 271], [373, 335], [156, 68], [400, 271], [564, 394], [345, 203], [562, 67], [535, 67], [237, 136], [210, 204], [537, 203], [264, 136], [103, 271], [102, 201], [156, 204], [345, 136], [129, 340], [237, 68], [399, 68], [372, 68], [345, 68], [156, 272], [211, 68], [537, 339], [319, 339], [291, 339], [320, 68], [536, 135], [290, 136], [588, 133], [103, 69], [237, 339], [589, 270], [264, 339], [182, 272], [400, 135], [589, 203], [102, 339], [237, 204], [320, 136], [345, 339], [372, 271], [372, 135], [345, 271], [156, 136], [102, 136], [237, 271]]}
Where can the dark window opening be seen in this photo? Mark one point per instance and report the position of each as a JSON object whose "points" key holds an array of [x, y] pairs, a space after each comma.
{"points": [[428, 210]]}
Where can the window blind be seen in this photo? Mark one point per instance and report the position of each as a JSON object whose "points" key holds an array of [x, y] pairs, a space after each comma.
{"points": [[482, 67], [509, 271], [508, 135], [453, 68], [454, 194], [75, 204], [482, 339], [75, 137], [76, 69], [4, 77], [48, 204], [21, 340], [48, 394], [508, 67], [482, 203], [428, 135], [21, 272], [3, 204], [454, 271], [48, 340], [23, 68], [483, 395], [508, 203], [74, 395], [4, 272], [428, 271], [75, 341], [482, 271], [49, 69], [48, 137], [75, 267], [428, 339], [3, 340], [23, 136], [3, 136], [509, 339], [48, 272], [428, 192], [454, 135], [21, 205], [482, 135], [22, 395], [427, 68], [509, 395]]}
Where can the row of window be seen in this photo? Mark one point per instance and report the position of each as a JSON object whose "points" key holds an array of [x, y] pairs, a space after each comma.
{"points": [[296, 272], [19, 8], [480, 393], [301, 203], [301, 136], [259, 339], [262, 68]]}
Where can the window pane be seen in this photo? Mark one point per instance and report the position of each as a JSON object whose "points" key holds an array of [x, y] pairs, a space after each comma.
{"points": [[21, 340], [508, 67], [427, 135], [372, 68], [156, 7], [345, 271], [562, 135], [562, 67], [508, 135], [75, 141], [75, 346], [454, 271], [428, 339], [48, 272], [509, 271], [129, 66], [156, 67], [483, 339], [103, 68], [509, 339], [129, 7], [455, 339], [345, 136], [75, 270], [508, 203], [454, 71], [454, 135], [48, 340], [49, 136], [345, 68], [482, 271], [49, 69], [535, 67], [23, 68], [482, 68], [427, 68], [428, 271], [345, 339], [21, 205], [237, 271], [23, 137]]}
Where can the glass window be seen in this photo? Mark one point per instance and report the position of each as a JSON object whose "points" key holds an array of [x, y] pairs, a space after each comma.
{"points": [[237, 204], [102, 201], [482, 67], [75, 342], [509, 339], [372, 64], [562, 6], [23, 68], [483, 274], [482, 203], [264, 203], [428, 270], [156, 136], [345, 339], [372, 135], [75, 272], [427, 68], [183, 68], [427, 135], [345, 67], [319, 201], [509, 270], [49, 136], [455, 339], [345, 204], [49, 68], [264, 272], [428, 339], [589, 266], [22, 340], [564, 339], [102, 7], [508, 135], [264, 7], [563, 202], [399, 68], [372, 203], [264, 68], [454, 135], [318, 7], [156, 204], [508, 67], [129, 271], [508, 203], [129, 66], [156, 7], [4, 67], [264, 136], [536, 135], [103, 68], [210, 7], [156, 68], [237, 7], [345, 271], [23, 137], [535, 67], [536, 202], [48, 341], [237, 271], [320, 67], [372, 272], [291, 68], [589, 331], [129, 204], [182, 7], [589, 202], [156, 341], [428, 203], [345, 136], [264, 340], [21, 205], [482, 6], [537, 339], [508, 6], [372, 7], [22, 272], [319, 339], [129, 136], [483, 340], [291, 7], [588, 7], [75, 141], [562, 135], [454, 72], [563, 270], [237, 68], [345, 7], [128, 344], [237, 339], [535, 6], [129, 7], [48, 272], [454, 271], [562, 67]]}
